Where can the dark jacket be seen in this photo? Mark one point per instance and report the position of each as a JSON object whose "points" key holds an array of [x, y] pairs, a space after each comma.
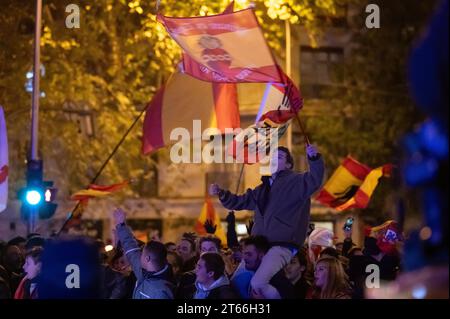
{"points": [[114, 284], [186, 286], [189, 265], [282, 211], [302, 289], [220, 289], [158, 285]]}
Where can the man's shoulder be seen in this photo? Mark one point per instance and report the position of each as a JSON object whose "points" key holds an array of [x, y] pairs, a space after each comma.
{"points": [[280, 282], [223, 292], [157, 287]]}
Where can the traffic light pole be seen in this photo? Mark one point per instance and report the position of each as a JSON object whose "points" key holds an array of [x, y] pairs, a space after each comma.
{"points": [[35, 104]]}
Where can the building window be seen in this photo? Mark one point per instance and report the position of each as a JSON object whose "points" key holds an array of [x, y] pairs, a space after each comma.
{"points": [[317, 69]]}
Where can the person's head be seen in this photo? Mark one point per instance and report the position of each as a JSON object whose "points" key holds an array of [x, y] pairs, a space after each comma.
{"points": [[20, 242], [329, 252], [355, 251], [171, 247], [13, 258], [119, 262], [210, 244], [281, 160], [175, 261], [210, 267], [34, 241], [255, 247], [330, 278], [154, 256], [33, 264], [370, 246], [339, 247], [297, 267], [186, 248]]}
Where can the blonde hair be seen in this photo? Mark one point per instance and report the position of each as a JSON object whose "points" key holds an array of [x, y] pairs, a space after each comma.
{"points": [[337, 285]]}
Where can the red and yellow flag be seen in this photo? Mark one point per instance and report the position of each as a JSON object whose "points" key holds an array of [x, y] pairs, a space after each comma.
{"points": [[282, 103], [221, 48], [184, 99], [351, 185], [97, 191], [208, 213]]}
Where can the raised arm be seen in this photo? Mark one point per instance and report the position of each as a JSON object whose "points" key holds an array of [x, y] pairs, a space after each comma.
{"points": [[311, 181], [232, 201], [130, 246]]}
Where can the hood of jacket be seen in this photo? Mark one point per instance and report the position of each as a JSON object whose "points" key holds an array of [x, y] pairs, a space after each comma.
{"points": [[203, 292]]}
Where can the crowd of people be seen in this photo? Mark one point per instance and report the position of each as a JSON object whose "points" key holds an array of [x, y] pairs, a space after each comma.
{"points": [[196, 267], [281, 258]]}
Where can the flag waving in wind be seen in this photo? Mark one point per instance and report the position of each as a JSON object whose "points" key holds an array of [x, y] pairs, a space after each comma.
{"points": [[97, 191], [184, 99], [281, 103], [228, 47], [352, 185], [208, 213]]}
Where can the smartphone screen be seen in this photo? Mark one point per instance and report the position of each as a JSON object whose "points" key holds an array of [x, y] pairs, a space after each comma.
{"points": [[348, 223]]}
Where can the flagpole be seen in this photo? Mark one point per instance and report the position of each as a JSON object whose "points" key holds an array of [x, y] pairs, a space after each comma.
{"points": [[302, 129], [103, 167], [288, 72]]}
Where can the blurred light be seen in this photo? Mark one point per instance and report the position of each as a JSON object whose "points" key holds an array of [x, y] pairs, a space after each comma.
{"points": [[241, 229], [33, 197], [425, 233], [419, 292], [109, 248], [48, 195]]}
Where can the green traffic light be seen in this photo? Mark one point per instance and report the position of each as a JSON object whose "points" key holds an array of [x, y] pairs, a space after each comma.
{"points": [[33, 197]]}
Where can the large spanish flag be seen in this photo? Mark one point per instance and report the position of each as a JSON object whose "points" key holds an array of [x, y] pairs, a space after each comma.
{"points": [[208, 213], [181, 101], [228, 47], [351, 185]]}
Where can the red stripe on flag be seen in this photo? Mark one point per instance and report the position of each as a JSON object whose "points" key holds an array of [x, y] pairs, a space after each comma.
{"points": [[361, 199], [226, 105], [325, 198], [278, 116], [199, 228], [152, 138], [387, 170], [108, 188], [201, 72], [357, 169]]}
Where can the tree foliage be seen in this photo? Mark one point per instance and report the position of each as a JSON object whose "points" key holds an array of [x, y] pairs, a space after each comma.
{"points": [[110, 66], [371, 98]]}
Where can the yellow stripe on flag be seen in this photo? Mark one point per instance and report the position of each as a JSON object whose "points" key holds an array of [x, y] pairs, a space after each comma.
{"points": [[371, 181], [91, 193], [340, 180]]}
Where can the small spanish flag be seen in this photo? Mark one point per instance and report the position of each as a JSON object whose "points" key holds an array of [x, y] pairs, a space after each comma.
{"points": [[97, 191], [352, 185], [208, 213]]}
